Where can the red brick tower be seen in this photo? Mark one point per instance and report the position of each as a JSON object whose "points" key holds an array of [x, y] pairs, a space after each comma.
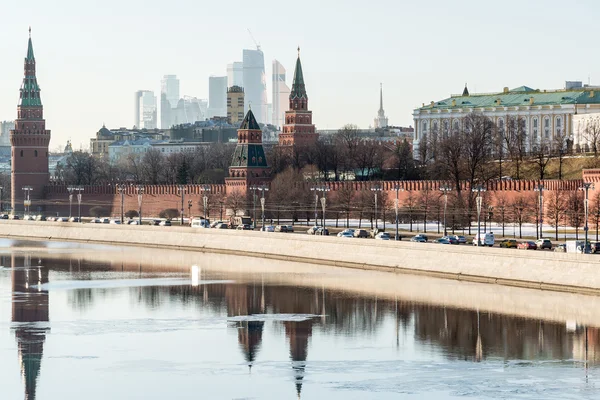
{"points": [[249, 165], [298, 129], [29, 141]]}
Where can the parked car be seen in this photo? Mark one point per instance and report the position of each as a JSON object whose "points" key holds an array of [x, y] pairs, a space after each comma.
{"points": [[528, 245], [115, 222], [40, 218], [361, 233], [61, 219], [322, 231], [222, 225], [14, 217], [133, 222], [200, 223], [28, 218], [442, 240], [561, 248], [595, 246], [544, 244], [509, 244], [348, 230], [419, 239], [382, 236], [3, 216], [290, 228], [485, 239], [106, 220], [268, 228], [245, 227], [51, 219], [452, 239], [344, 234], [461, 239], [281, 228], [165, 223], [74, 219], [312, 230], [215, 223]]}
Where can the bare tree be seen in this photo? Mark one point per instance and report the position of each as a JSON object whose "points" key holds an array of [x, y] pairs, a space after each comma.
{"points": [[555, 209], [591, 134], [345, 201], [540, 157]]}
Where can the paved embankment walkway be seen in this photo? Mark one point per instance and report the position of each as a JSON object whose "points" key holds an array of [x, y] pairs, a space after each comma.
{"points": [[531, 269]]}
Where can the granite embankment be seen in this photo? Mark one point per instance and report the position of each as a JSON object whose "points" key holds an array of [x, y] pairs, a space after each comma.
{"points": [[531, 269]]}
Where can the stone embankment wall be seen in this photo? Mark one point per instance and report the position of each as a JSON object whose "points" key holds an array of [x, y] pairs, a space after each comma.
{"points": [[530, 269]]}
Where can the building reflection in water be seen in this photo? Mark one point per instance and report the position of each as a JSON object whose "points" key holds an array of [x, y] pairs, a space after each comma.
{"points": [[460, 334], [30, 317]]}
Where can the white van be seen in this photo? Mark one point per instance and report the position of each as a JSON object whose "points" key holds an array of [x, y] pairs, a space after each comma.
{"points": [[487, 239], [200, 223]]}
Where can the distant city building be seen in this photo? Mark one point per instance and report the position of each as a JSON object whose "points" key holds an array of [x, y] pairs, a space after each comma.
{"points": [[543, 115], [122, 149], [189, 110], [281, 94], [99, 145], [255, 86], [235, 105], [217, 96], [381, 121], [145, 110], [214, 130], [5, 128], [169, 99], [235, 74]]}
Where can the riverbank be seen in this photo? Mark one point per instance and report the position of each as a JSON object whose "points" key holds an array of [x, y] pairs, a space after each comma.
{"points": [[576, 273]]}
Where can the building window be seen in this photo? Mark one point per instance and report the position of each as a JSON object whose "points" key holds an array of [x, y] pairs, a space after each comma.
{"points": [[21, 153], [546, 128], [35, 153], [424, 125]]}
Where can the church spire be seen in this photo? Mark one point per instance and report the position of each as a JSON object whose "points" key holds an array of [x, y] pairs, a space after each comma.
{"points": [[381, 97], [30, 56]]}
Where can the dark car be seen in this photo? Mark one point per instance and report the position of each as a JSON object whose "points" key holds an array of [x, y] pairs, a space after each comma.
{"points": [[595, 247], [442, 240], [322, 231], [544, 244], [528, 245], [361, 233], [3, 216], [451, 239]]}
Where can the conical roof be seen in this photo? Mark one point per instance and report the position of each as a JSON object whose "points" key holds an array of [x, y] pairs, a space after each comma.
{"points": [[298, 88], [249, 122], [465, 91]]}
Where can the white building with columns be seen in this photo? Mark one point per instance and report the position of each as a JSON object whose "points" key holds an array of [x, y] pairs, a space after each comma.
{"points": [[543, 114]]}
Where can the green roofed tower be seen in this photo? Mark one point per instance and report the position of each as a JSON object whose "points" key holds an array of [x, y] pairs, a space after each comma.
{"points": [[249, 164], [298, 129], [29, 141]]}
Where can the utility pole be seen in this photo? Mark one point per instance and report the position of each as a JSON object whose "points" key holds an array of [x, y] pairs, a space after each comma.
{"points": [[205, 189], [540, 188], [445, 189], [478, 189], [262, 189], [397, 188], [586, 187], [77, 189]]}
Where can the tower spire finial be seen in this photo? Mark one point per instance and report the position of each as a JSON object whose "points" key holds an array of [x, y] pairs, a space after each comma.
{"points": [[381, 96], [30, 31], [298, 51]]}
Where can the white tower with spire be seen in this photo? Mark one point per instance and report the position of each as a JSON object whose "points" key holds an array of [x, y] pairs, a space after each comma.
{"points": [[381, 121]]}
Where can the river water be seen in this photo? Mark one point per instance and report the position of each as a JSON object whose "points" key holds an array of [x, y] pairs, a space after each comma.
{"points": [[94, 322]]}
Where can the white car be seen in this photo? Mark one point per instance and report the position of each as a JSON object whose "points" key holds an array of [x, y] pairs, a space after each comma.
{"points": [[62, 219], [312, 230], [487, 239], [268, 228], [115, 221], [345, 234], [383, 236], [133, 222]]}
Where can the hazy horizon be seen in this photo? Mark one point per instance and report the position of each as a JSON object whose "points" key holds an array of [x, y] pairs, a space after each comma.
{"points": [[92, 57]]}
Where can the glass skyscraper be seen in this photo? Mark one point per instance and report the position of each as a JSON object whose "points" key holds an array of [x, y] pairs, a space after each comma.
{"points": [[255, 85]]}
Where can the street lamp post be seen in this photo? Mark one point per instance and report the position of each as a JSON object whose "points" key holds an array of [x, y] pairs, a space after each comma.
{"points": [[445, 189], [1, 208], [262, 189], [121, 188], [27, 201], [397, 188], [540, 188], [316, 204], [478, 189], [254, 189], [77, 189], [324, 189], [140, 192], [586, 187], [181, 189], [375, 189], [205, 189]]}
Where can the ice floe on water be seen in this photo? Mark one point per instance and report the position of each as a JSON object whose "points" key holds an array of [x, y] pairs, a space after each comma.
{"points": [[273, 317], [122, 283]]}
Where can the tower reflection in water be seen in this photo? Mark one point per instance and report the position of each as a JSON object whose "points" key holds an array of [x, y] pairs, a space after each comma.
{"points": [[30, 317]]}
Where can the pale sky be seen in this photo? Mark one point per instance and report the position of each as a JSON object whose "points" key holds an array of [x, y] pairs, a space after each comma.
{"points": [[93, 55]]}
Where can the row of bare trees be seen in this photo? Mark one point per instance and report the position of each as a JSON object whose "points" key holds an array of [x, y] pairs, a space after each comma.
{"points": [[203, 165]]}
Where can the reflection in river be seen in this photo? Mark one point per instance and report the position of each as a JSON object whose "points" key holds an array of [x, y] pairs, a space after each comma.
{"points": [[313, 321]]}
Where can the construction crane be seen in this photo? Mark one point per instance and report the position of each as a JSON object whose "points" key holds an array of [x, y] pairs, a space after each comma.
{"points": [[254, 40]]}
